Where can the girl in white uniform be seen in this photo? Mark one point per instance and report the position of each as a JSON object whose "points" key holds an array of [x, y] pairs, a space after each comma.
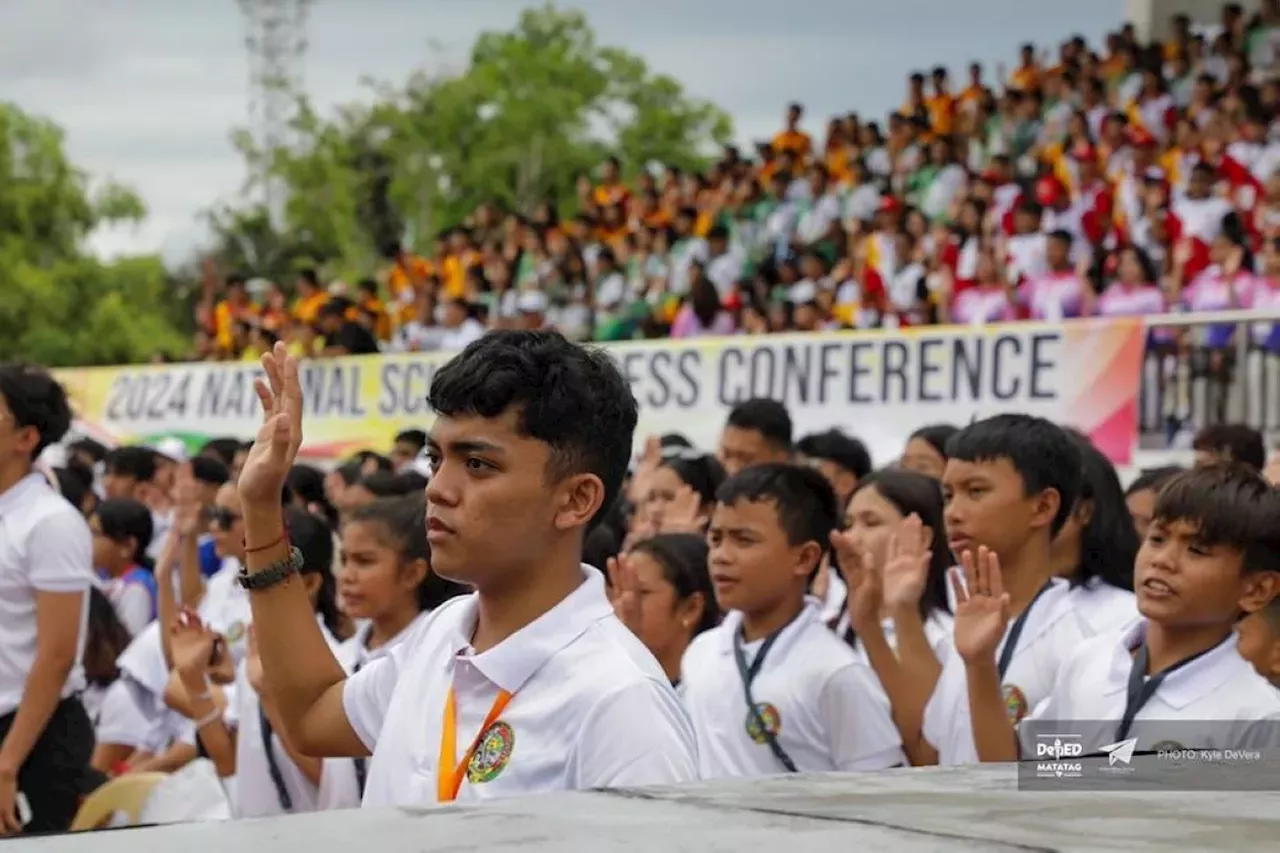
{"points": [[1096, 547], [661, 590], [898, 618], [235, 727], [386, 584]]}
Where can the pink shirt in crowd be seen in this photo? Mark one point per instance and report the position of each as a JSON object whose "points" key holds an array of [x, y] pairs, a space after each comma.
{"points": [[980, 304], [1212, 291], [1054, 295], [687, 324], [1131, 300]]}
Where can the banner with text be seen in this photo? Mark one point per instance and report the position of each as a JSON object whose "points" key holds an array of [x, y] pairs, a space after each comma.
{"points": [[878, 386]]}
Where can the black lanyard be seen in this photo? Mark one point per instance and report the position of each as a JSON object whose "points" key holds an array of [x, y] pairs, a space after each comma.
{"points": [[273, 765], [1015, 632], [748, 675], [1141, 688], [362, 764]]}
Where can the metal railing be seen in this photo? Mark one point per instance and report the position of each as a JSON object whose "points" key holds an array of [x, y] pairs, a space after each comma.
{"points": [[1188, 384]]}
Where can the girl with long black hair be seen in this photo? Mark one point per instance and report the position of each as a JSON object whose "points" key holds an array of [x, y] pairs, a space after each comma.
{"points": [[386, 584], [122, 530], [1096, 547], [895, 563], [236, 725]]}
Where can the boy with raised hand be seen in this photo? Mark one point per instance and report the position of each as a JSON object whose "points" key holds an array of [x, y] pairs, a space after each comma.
{"points": [[772, 690], [1010, 483], [530, 684], [1211, 558]]}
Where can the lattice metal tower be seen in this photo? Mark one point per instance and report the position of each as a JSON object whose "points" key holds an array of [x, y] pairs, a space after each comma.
{"points": [[276, 38]]}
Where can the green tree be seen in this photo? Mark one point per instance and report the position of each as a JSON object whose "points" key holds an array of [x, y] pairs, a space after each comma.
{"points": [[59, 305], [535, 107]]}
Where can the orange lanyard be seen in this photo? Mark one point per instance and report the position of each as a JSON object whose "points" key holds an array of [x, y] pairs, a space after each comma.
{"points": [[450, 771]]}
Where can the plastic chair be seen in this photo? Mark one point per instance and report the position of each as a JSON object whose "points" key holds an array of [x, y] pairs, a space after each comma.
{"points": [[126, 794]]}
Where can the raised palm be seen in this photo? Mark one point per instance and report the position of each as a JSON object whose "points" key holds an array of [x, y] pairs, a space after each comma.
{"points": [[906, 567], [276, 446], [191, 644], [865, 581], [624, 586], [982, 606], [683, 513]]}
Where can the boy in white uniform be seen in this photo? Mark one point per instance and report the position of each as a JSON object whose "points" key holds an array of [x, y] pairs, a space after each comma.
{"points": [[772, 690], [529, 685], [1211, 557], [1010, 483]]}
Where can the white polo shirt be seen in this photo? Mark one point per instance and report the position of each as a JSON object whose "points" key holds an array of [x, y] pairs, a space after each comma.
{"points": [[1052, 631], [225, 607], [1103, 608], [339, 780], [591, 706], [45, 546], [939, 628], [255, 793], [1218, 698], [824, 706]]}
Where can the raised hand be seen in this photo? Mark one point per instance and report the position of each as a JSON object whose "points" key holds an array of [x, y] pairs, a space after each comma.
{"points": [[982, 609], [866, 585], [624, 591], [192, 645], [683, 514], [906, 567], [276, 446], [186, 501]]}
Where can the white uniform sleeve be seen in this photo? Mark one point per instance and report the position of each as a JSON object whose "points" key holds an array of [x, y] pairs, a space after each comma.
{"points": [[133, 606], [122, 718], [635, 737], [366, 696], [60, 552], [856, 716]]}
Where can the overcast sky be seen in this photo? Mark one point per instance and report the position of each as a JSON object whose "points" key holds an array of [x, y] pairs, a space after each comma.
{"points": [[147, 90]]}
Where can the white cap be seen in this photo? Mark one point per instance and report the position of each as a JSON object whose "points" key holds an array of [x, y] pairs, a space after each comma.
{"points": [[532, 302], [172, 448], [802, 292]]}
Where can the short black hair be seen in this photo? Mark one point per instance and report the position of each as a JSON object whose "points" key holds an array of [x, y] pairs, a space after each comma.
{"points": [[382, 484], [834, 446], [1043, 454], [768, 417], [210, 471], [416, 437], [95, 450], [571, 397], [1239, 442], [936, 436], [132, 461], [37, 400], [1230, 504], [806, 505], [75, 482], [1153, 479], [121, 518], [224, 449], [701, 472]]}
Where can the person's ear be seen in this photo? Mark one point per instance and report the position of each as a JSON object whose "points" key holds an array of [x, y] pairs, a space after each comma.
{"points": [[579, 498], [807, 558], [1257, 589], [1045, 508]]}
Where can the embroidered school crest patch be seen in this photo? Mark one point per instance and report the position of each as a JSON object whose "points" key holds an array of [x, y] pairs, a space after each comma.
{"points": [[492, 755], [235, 632], [772, 722], [1015, 702]]}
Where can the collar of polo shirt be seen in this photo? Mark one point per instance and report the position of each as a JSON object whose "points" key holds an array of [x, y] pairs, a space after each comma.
{"points": [[13, 496], [515, 660], [1187, 684], [733, 624]]}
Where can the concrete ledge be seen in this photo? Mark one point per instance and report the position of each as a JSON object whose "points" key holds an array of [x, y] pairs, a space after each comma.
{"points": [[937, 809]]}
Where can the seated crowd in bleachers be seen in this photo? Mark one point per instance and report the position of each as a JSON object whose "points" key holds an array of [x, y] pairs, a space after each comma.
{"points": [[1116, 179]]}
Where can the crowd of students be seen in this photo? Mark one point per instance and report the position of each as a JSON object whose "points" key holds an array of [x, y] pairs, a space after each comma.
{"points": [[516, 603], [1119, 179]]}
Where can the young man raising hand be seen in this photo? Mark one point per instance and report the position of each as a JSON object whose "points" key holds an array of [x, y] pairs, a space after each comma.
{"points": [[530, 684]]}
